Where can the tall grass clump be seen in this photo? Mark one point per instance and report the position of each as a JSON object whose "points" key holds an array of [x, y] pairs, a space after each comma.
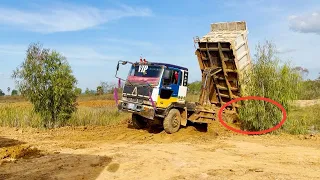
{"points": [[271, 78]]}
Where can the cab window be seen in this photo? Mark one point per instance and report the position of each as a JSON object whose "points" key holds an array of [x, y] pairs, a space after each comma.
{"points": [[171, 77]]}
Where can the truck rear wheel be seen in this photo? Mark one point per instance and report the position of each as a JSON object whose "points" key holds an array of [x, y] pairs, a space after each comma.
{"points": [[138, 121], [172, 121]]}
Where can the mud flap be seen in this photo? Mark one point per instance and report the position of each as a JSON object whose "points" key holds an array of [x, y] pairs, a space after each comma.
{"points": [[184, 117]]}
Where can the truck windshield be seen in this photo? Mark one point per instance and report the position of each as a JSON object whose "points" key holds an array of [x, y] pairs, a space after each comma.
{"points": [[145, 71]]}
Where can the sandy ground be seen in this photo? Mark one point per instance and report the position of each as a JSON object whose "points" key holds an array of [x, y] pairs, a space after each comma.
{"points": [[120, 152]]}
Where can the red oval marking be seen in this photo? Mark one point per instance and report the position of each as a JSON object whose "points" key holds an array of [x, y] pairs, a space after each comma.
{"points": [[284, 113]]}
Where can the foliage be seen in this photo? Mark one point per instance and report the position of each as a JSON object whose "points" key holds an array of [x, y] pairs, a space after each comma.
{"points": [[303, 120], [1, 93], [272, 79], [45, 79], [311, 89], [107, 87], [303, 71], [194, 87], [99, 90], [14, 92], [78, 91], [89, 92]]}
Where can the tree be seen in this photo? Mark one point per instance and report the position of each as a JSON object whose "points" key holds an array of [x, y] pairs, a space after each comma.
{"points": [[14, 92], [303, 71], [8, 89], [271, 79], [1, 93], [46, 80], [89, 92], [107, 87], [78, 91], [99, 90], [311, 89]]}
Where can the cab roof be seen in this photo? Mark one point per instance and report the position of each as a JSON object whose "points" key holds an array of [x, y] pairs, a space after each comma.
{"points": [[168, 65]]}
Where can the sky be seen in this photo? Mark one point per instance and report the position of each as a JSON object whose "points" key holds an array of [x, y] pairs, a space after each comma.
{"points": [[94, 34]]}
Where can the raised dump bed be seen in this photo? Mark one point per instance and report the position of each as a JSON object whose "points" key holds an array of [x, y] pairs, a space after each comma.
{"points": [[223, 56]]}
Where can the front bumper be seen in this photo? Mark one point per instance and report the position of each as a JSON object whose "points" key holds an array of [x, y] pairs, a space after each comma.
{"points": [[143, 110]]}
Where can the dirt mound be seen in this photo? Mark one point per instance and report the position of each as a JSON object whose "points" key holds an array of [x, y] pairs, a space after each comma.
{"points": [[19, 151]]}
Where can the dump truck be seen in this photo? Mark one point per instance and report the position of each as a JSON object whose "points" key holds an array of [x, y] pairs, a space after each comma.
{"points": [[155, 92]]}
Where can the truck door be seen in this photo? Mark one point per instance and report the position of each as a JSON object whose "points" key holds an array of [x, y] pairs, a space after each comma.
{"points": [[169, 89]]}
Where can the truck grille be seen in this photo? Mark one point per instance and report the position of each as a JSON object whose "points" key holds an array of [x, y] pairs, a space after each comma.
{"points": [[141, 90]]}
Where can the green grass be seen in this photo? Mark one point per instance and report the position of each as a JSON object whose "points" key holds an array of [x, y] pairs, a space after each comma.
{"points": [[303, 120]]}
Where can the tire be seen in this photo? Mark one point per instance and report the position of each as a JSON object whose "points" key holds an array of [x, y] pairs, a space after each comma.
{"points": [[138, 122], [172, 121]]}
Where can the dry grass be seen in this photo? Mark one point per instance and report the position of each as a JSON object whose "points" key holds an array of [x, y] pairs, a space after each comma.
{"points": [[13, 99], [192, 97], [100, 112]]}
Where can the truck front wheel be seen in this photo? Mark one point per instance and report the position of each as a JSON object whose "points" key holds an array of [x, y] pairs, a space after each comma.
{"points": [[172, 121], [138, 121]]}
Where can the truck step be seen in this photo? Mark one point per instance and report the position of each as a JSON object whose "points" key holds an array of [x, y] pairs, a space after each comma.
{"points": [[215, 49], [225, 88], [224, 95], [227, 96], [231, 70], [226, 60]]}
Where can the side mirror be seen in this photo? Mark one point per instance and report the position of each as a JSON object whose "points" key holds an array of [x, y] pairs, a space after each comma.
{"points": [[118, 67]]}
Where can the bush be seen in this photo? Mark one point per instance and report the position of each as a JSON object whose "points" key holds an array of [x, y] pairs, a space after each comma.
{"points": [[272, 79], [45, 79], [14, 92]]}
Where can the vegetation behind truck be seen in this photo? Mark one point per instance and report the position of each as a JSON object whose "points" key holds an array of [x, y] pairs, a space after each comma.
{"points": [[155, 93]]}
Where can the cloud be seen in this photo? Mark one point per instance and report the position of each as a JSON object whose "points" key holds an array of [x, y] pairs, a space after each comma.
{"points": [[67, 17], [306, 23]]}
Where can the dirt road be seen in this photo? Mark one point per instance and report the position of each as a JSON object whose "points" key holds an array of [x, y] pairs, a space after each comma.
{"points": [[119, 152]]}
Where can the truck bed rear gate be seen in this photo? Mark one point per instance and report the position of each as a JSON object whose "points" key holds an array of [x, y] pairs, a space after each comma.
{"points": [[217, 56]]}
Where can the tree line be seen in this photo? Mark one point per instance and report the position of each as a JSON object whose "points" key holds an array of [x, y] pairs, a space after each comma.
{"points": [[14, 92]]}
